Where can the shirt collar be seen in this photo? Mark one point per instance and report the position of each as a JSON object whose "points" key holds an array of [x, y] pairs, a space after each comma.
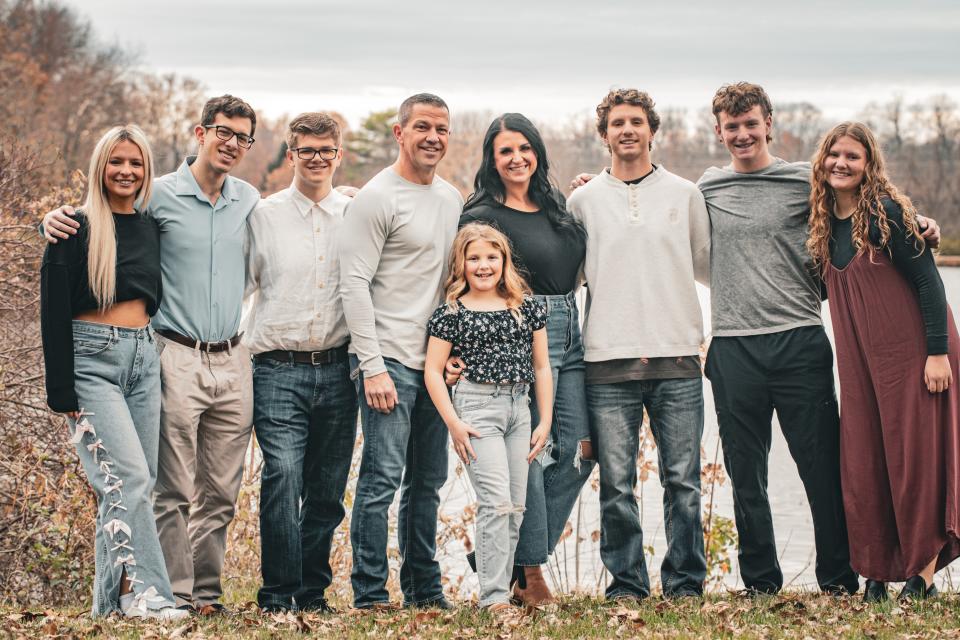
{"points": [[305, 204], [187, 184]]}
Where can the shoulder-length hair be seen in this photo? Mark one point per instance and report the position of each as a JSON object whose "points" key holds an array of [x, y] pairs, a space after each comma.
{"points": [[488, 187], [102, 235], [512, 287], [875, 187]]}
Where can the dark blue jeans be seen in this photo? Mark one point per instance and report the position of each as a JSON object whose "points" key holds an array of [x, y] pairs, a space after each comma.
{"points": [[305, 419], [405, 449], [553, 489], [675, 408]]}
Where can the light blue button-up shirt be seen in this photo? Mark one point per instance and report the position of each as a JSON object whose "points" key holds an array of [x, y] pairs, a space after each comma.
{"points": [[201, 254]]}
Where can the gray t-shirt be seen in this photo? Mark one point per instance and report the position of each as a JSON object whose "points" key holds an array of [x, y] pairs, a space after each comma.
{"points": [[762, 278]]}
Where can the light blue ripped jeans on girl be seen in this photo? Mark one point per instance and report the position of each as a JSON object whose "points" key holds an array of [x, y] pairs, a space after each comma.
{"points": [[501, 414], [117, 381]]}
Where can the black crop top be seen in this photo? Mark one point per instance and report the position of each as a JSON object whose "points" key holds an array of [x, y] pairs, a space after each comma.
{"points": [[65, 293], [919, 270], [549, 259]]}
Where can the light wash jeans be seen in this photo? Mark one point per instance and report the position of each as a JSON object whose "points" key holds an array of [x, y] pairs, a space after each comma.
{"points": [[117, 380], [500, 413]]}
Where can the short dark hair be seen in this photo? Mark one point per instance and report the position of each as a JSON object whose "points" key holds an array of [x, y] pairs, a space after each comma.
{"points": [[230, 106], [406, 107], [633, 97], [738, 98], [314, 123]]}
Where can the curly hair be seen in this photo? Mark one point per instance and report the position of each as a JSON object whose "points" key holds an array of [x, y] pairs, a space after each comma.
{"points": [[738, 98], [512, 287], [875, 187], [632, 97]]}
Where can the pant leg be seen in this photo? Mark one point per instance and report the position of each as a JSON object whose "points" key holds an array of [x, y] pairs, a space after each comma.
{"points": [[517, 443], [333, 432], [805, 400], [616, 412], [222, 439], [385, 438], [184, 397], [282, 398], [425, 473], [744, 412], [117, 381], [675, 407]]}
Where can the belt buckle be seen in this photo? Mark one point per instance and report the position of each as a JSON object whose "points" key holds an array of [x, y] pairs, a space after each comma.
{"points": [[214, 345], [314, 360]]}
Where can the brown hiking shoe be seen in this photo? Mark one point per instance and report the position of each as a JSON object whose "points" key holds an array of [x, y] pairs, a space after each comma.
{"points": [[531, 590]]}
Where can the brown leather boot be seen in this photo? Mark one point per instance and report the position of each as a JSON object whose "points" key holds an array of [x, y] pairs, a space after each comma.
{"points": [[530, 589]]}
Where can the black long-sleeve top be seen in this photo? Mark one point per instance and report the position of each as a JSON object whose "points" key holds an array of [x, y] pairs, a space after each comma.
{"points": [[549, 259], [919, 270], [65, 293]]}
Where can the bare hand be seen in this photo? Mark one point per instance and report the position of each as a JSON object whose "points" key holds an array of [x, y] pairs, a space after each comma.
{"points": [[380, 392], [452, 371], [937, 374], [539, 440], [930, 231], [581, 179], [460, 433], [347, 190], [59, 224]]}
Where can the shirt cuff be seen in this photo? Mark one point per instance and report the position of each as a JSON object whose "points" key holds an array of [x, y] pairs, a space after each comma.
{"points": [[373, 366]]}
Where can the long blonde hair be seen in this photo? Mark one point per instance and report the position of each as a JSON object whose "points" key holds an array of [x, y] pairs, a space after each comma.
{"points": [[102, 235], [512, 287], [875, 187]]}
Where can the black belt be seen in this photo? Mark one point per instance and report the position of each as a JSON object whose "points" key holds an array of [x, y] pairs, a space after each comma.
{"points": [[209, 347], [328, 356]]}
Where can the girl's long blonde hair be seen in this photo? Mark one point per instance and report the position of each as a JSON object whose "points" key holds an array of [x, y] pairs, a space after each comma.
{"points": [[875, 187], [512, 287], [102, 235]]}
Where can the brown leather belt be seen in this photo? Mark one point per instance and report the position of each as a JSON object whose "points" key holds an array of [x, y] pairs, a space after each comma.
{"points": [[328, 356], [209, 347]]}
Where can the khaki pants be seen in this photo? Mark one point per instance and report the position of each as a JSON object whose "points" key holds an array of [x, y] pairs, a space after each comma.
{"points": [[205, 424]]}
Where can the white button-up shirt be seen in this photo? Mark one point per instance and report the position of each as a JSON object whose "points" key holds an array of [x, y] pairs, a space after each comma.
{"points": [[293, 274]]}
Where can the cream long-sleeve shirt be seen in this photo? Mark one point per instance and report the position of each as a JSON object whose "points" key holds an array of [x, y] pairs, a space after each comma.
{"points": [[393, 256], [647, 244], [293, 274]]}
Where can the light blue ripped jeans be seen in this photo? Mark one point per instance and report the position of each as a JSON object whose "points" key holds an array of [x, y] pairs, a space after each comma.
{"points": [[117, 381], [501, 414]]}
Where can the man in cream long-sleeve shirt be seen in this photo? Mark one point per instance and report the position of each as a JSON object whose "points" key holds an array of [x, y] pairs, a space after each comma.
{"points": [[393, 252], [648, 240]]}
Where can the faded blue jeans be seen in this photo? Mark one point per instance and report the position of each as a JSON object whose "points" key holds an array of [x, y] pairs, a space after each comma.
{"points": [[305, 418], [675, 407], [500, 413], [553, 487], [117, 381], [405, 449]]}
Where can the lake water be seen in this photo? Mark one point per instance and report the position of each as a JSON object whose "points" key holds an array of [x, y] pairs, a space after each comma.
{"points": [[576, 562]]}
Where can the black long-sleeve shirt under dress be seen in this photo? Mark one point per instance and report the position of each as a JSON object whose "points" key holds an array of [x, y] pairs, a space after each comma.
{"points": [[65, 293], [911, 258]]}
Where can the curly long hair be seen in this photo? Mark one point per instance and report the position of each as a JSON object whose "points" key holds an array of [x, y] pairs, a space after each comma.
{"points": [[488, 187], [875, 187], [512, 287]]}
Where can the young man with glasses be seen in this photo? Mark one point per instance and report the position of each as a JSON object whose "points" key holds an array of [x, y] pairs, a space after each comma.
{"points": [[206, 407], [305, 404]]}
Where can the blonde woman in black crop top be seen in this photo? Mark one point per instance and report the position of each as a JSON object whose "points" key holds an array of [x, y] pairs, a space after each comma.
{"points": [[97, 294]]}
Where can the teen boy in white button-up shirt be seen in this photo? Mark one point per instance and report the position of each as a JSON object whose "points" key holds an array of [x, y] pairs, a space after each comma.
{"points": [[305, 405]]}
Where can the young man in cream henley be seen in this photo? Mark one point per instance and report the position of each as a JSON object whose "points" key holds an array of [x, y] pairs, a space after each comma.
{"points": [[393, 254], [648, 241], [305, 405]]}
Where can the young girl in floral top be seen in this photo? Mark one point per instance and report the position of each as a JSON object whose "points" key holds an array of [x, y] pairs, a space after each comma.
{"points": [[489, 319]]}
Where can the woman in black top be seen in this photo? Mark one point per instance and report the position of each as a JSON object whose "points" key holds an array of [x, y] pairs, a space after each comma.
{"points": [[512, 192], [97, 294], [897, 356]]}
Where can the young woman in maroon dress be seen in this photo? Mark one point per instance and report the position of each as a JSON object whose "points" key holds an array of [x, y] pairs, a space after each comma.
{"points": [[897, 356]]}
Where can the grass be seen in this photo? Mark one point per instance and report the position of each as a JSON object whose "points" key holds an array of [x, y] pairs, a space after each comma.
{"points": [[789, 615]]}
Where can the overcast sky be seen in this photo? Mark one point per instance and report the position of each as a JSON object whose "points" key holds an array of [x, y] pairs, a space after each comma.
{"points": [[550, 59]]}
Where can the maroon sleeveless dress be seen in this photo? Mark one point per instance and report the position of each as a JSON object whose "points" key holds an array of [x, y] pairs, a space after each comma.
{"points": [[899, 444]]}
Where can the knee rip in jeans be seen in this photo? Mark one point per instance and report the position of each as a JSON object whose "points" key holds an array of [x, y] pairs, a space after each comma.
{"points": [[121, 536], [508, 508]]}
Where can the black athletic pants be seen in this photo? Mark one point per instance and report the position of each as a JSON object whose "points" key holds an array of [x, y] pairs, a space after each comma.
{"points": [[790, 372]]}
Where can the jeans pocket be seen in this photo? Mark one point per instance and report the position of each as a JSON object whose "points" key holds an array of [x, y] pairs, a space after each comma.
{"points": [[90, 345], [469, 402]]}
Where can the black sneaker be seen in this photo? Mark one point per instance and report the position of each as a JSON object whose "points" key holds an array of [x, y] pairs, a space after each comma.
{"points": [[916, 589], [274, 607], [875, 591], [442, 603], [318, 605]]}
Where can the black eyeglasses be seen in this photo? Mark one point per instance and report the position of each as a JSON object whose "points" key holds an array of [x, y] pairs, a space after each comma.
{"points": [[309, 153], [225, 133]]}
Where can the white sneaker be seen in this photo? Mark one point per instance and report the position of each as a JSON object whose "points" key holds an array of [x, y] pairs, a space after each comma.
{"points": [[166, 614]]}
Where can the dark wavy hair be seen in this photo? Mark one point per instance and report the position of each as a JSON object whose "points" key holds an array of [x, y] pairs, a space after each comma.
{"points": [[488, 187]]}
